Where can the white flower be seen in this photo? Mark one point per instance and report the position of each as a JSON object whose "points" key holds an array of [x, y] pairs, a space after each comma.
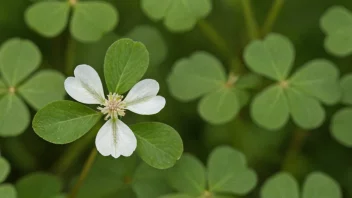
{"points": [[114, 138]]}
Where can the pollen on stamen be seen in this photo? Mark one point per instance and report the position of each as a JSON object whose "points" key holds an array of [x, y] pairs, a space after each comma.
{"points": [[113, 107]]}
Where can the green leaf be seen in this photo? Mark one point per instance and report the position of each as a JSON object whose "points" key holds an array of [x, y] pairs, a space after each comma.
{"points": [[346, 84], [177, 196], [248, 81], [38, 185], [3, 87], [319, 185], [7, 191], [200, 74], [149, 182], [4, 169], [158, 144], [219, 107], [14, 117], [341, 126], [318, 78], [91, 20], [273, 57], [43, 88], [153, 40], [18, 59], [306, 111], [64, 121], [281, 185], [188, 176], [242, 96], [48, 18], [270, 109], [125, 63], [228, 172], [177, 15], [337, 25]]}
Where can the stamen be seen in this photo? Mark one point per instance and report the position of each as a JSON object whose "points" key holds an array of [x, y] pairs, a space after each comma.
{"points": [[113, 107]]}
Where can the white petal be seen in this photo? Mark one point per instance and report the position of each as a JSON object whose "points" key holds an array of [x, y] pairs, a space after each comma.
{"points": [[86, 86], [115, 138], [142, 98]]}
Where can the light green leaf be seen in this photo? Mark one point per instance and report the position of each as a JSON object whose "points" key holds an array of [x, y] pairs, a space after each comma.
{"points": [[346, 86], [108, 176], [341, 126], [281, 185], [14, 117], [44, 87], [270, 109], [177, 196], [337, 24], [18, 59], [38, 185], [219, 107], [3, 87], [125, 63], [48, 18], [306, 111], [4, 169], [153, 40], [318, 78], [91, 20], [149, 182], [64, 121], [193, 77], [319, 185], [248, 81], [178, 15], [188, 176], [228, 172], [158, 144], [7, 191], [273, 57]]}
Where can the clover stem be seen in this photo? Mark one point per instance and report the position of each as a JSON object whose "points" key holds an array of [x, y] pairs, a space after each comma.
{"points": [[297, 141], [272, 16], [251, 23], [87, 166], [70, 55]]}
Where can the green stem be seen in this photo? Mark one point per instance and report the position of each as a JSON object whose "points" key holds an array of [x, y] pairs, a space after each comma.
{"points": [[296, 144], [251, 23], [210, 32], [272, 16], [70, 55], [87, 166]]}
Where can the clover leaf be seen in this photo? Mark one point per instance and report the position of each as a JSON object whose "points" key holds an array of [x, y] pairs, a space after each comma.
{"points": [[4, 169], [317, 184], [227, 173], [18, 60], [126, 61], [109, 178], [89, 22], [178, 16], [202, 75], [341, 121], [8, 191], [336, 23], [300, 95], [48, 185]]}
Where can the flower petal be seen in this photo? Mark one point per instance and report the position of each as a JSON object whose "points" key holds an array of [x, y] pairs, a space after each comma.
{"points": [[86, 86], [115, 138], [142, 98]]}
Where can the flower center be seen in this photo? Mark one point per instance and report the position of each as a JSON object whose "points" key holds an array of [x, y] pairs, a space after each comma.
{"points": [[113, 107]]}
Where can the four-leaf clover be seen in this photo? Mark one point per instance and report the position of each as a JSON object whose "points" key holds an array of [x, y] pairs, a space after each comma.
{"points": [[89, 22], [126, 61], [300, 95], [18, 60], [227, 173]]}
